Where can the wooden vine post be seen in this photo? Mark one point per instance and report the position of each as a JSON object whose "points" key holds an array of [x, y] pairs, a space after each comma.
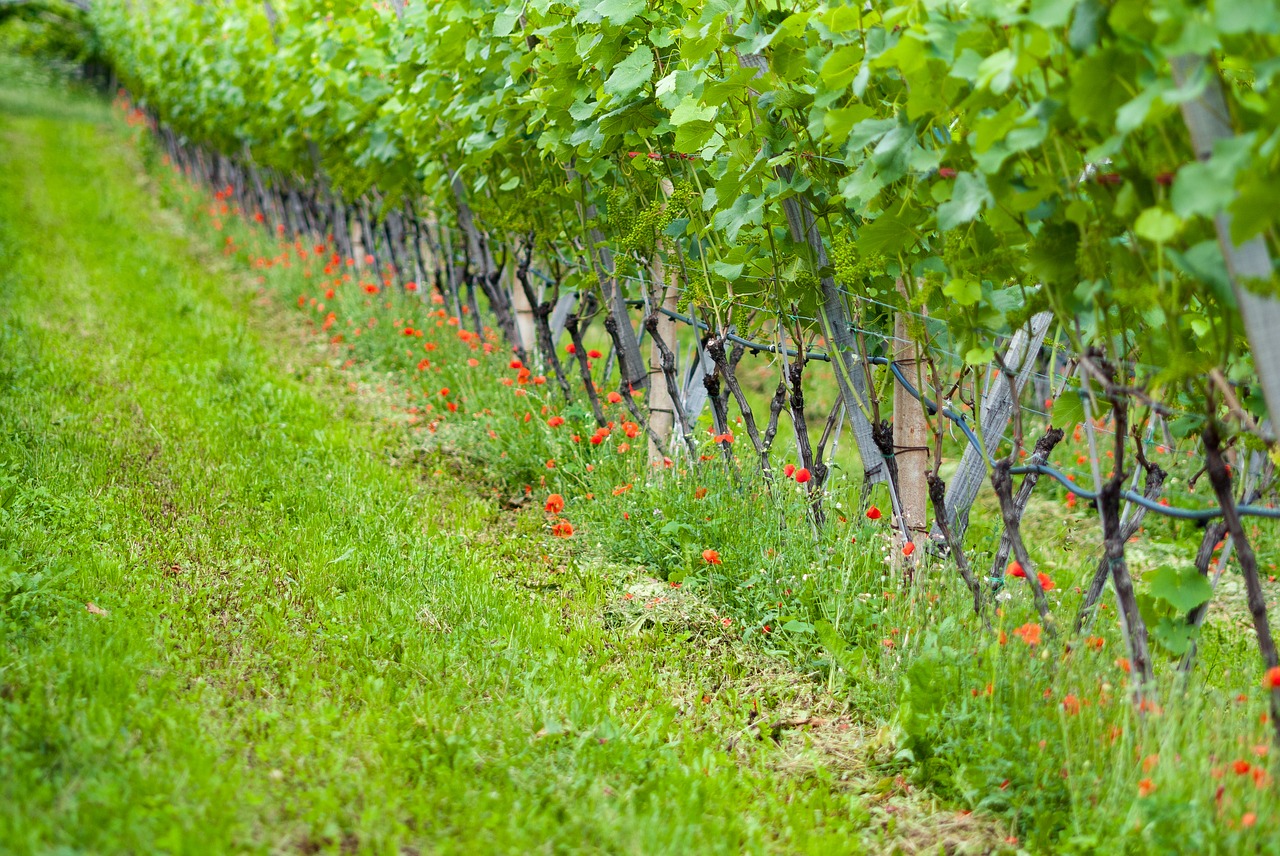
{"points": [[997, 409], [1208, 121], [910, 432], [526, 325], [663, 293]]}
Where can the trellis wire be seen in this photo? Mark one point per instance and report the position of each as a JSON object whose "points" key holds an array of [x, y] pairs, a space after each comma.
{"points": [[960, 422], [958, 419]]}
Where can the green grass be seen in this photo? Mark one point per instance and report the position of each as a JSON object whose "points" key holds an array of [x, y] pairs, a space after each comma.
{"points": [[1039, 735], [308, 646], [324, 631]]}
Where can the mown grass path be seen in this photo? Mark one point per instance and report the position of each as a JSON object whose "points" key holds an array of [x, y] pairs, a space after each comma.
{"points": [[294, 645]]}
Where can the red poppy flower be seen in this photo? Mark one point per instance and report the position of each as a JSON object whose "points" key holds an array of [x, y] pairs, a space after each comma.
{"points": [[873, 513], [555, 421], [711, 557], [789, 470], [1029, 633], [562, 529], [803, 475], [1045, 583], [1015, 570], [614, 397], [555, 504], [595, 355], [908, 548], [1272, 680]]}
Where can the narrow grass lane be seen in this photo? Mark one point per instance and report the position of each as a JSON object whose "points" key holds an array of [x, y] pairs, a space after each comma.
{"points": [[229, 624]]}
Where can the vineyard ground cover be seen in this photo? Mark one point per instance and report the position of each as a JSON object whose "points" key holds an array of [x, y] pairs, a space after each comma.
{"points": [[995, 721], [1089, 165], [234, 617]]}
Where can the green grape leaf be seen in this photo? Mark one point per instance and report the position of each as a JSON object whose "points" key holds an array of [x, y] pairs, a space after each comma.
{"points": [[1184, 589], [963, 292], [979, 355], [619, 12], [746, 210], [1067, 410], [841, 66], [729, 272], [689, 110], [505, 22], [1157, 225], [968, 197], [691, 137], [1174, 635], [1205, 188], [1247, 16], [630, 74]]}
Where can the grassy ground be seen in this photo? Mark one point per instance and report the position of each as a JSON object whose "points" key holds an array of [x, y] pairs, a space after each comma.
{"points": [[289, 490], [230, 621]]}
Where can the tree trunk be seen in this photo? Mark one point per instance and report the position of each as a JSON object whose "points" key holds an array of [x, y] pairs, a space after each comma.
{"points": [[1002, 482], [1257, 599], [667, 365], [1154, 484], [846, 357], [937, 496], [716, 350], [1044, 446], [586, 308], [630, 364], [662, 330], [485, 272]]}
